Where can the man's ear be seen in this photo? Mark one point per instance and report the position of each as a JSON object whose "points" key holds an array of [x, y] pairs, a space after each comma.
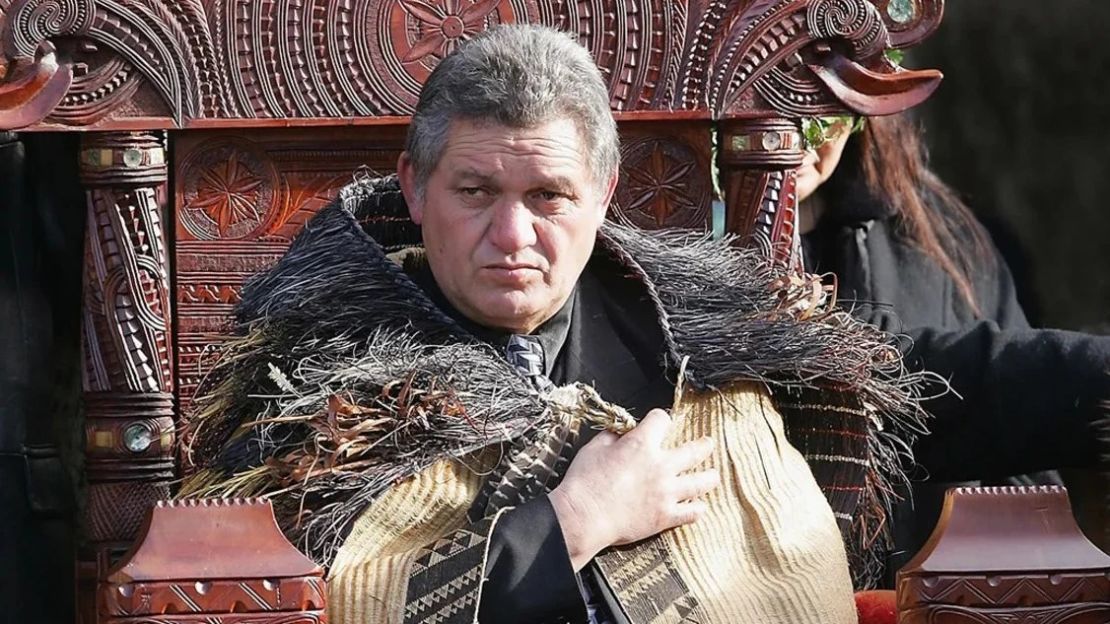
{"points": [[406, 175], [610, 189]]}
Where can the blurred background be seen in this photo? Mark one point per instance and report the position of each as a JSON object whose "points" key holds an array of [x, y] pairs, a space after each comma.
{"points": [[1021, 128]]}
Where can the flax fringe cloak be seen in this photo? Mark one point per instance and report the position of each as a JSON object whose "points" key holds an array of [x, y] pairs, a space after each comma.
{"points": [[346, 392]]}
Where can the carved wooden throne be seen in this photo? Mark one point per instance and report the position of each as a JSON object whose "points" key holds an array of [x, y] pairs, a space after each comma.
{"points": [[259, 110]]}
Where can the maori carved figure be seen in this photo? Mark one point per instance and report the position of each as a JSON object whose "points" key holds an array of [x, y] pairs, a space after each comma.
{"points": [[128, 374]]}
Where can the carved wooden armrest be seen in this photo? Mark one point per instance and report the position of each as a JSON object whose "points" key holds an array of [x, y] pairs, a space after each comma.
{"points": [[212, 560], [1012, 554]]}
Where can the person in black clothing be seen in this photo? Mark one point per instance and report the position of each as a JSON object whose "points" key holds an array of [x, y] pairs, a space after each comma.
{"points": [[910, 257]]}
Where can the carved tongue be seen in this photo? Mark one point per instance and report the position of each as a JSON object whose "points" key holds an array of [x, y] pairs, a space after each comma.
{"points": [[872, 93], [28, 99]]}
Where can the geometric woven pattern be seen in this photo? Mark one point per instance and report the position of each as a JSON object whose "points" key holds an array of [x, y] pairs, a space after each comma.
{"points": [[831, 432], [445, 578], [767, 549], [649, 586]]}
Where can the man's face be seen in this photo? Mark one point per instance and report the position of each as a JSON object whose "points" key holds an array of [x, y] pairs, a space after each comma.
{"points": [[509, 218]]}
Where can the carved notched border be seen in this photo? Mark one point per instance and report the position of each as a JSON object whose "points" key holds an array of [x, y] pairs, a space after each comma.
{"points": [[82, 62]]}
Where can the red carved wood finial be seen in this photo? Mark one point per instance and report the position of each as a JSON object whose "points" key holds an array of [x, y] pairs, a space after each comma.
{"points": [[211, 560], [1012, 554], [29, 94]]}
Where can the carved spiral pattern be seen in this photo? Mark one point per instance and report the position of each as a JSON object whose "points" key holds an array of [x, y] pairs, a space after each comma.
{"points": [[838, 18], [38, 20], [345, 58], [856, 20]]}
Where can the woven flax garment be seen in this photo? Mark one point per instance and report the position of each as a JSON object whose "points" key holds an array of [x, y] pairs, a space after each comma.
{"points": [[346, 390], [769, 550]]}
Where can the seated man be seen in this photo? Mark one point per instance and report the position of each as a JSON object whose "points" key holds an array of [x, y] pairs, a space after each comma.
{"points": [[427, 422]]}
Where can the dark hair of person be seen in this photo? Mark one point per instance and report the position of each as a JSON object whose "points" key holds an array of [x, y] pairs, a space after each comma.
{"points": [[929, 214]]}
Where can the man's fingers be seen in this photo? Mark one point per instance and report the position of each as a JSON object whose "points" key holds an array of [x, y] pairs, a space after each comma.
{"points": [[687, 512], [691, 454], [652, 430], [697, 484]]}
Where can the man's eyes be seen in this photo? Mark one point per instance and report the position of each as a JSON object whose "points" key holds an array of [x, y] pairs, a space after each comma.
{"points": [[542, 195]]}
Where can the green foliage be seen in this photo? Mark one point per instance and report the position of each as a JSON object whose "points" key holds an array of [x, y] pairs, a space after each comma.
{"points": [[816, 131]]}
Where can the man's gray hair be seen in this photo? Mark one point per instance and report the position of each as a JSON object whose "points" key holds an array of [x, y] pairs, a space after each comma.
{"points": [[520, 76]]}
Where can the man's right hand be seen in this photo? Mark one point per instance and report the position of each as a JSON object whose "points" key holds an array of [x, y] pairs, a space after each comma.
{"points": [[622, 489]]}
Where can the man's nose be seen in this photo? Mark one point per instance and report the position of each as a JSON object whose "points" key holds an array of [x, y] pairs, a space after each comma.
{"points": [[512, 227]]}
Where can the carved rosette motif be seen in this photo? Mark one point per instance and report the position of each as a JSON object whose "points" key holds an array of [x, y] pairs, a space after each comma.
{"points": [[432, 30], [229, 192], [128, 375], [266, 189], [411, 37], [661, 185]]}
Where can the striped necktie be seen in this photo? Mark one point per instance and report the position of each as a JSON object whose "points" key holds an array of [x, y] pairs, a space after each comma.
{"points": [[526, 355]]}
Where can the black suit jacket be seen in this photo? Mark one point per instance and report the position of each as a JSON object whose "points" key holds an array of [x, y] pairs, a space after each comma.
{"points": [[614, 343]]}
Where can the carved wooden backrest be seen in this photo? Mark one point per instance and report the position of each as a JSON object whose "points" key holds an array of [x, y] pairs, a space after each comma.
{"points": [[262, 109]]}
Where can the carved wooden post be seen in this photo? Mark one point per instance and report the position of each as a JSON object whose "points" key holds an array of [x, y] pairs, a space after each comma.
{"points": [[128, 375], [758, 162]]}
